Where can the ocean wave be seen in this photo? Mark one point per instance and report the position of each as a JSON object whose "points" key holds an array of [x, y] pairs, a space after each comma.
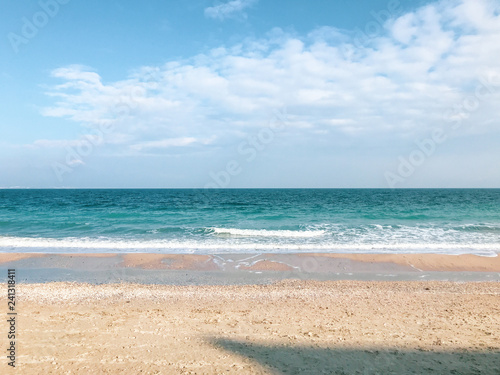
{"points": [[492, 228], [267, 233], [47, 245]]}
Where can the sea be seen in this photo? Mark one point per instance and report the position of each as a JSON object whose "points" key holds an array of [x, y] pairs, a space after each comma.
{"points": [[216, 221]]}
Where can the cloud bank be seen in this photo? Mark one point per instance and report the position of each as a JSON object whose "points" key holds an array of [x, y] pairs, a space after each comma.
{"points": [[417, 73]]}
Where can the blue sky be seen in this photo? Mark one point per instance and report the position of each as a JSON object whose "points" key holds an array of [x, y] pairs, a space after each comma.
{"points": [[249, 93]]}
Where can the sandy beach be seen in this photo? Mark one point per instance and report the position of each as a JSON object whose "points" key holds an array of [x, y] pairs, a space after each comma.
{"points": [[288, 326], [292, 327]]}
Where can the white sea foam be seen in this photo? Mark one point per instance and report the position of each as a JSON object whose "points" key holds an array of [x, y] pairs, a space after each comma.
{"points": [[24, 244], [268, 233]]}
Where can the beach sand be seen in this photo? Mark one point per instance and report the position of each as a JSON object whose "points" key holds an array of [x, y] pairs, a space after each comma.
{"points": [[291, 327], [283, 327]]}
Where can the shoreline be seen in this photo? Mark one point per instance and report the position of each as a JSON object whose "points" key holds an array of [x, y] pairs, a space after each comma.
{"points": [[246, 268]]}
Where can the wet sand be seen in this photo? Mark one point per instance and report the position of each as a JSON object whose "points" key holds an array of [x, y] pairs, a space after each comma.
{"points": [[247, 268]]}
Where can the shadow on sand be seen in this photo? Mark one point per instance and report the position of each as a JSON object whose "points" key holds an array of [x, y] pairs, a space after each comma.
{"points": [[330, 360]]}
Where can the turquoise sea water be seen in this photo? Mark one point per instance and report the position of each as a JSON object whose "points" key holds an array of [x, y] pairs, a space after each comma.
{"points": [[251, 220]]}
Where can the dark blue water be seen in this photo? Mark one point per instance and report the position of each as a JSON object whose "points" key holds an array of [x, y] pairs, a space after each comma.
{"points": [[251, 220]]}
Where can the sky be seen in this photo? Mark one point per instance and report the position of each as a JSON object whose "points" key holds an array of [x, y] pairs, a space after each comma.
{"points": [[250, 93]]}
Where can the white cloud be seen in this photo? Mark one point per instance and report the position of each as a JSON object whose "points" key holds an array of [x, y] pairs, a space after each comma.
{"points": [[63, 143], [170, 142], [75, 162], [229, 9], [402, 83], [403, 29], [340, 121]]}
